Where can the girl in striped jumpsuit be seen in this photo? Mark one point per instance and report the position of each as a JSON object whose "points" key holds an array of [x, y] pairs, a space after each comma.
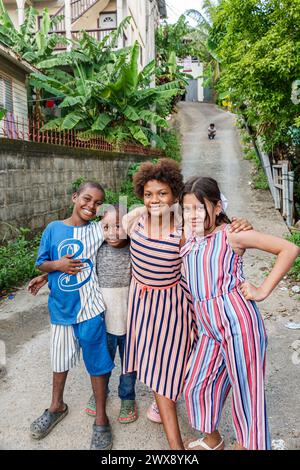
{"points": [[231, 349]]}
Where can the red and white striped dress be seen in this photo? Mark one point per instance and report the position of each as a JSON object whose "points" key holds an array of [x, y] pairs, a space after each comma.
{"points": [[160, 326]]}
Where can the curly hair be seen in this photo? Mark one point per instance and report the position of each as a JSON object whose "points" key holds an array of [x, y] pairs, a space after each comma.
{"points": [[165, 170]]}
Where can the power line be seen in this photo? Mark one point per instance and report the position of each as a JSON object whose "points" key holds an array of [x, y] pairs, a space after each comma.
{"points": [[173, 9]]}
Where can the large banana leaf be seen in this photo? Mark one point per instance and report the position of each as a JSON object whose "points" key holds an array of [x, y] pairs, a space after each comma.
{"points": [[71, 120], [131, 113], [70, 101], [38, 84], [138, 134], [45, 80], [54, 124], [153, 118], [101, 122], [147, 73]]}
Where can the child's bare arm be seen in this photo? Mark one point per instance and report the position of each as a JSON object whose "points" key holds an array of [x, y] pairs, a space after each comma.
{"points": [[66, 265], [37, 283], [285, 251], [130, 220]]}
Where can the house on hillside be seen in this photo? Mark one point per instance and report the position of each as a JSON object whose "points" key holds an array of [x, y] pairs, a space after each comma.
{"points": [[13, 94], [192, 66], [99, 17]]}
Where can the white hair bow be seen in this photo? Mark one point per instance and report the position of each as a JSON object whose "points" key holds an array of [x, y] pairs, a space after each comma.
{"points": [[224, 203]]}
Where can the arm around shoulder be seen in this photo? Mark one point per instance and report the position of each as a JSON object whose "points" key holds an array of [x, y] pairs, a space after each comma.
{"points": [[130, 220]]}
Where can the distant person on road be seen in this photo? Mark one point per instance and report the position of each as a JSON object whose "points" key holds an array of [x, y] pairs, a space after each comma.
{"points": [[231, 349], [211, 131]]}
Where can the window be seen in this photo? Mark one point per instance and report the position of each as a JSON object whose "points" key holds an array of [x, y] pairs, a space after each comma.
{"points": [[6, 94], [108, 20]]}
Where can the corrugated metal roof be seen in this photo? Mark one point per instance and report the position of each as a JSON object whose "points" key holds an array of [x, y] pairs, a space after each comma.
{"points": [[16, 59]]}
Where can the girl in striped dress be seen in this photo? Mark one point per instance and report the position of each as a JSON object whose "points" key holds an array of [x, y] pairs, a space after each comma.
{"points": [[231, 348], [161, 330]]}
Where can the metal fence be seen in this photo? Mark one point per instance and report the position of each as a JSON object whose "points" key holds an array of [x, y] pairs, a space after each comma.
{"points": [[30, 130], [281, 184], [283, 181]]}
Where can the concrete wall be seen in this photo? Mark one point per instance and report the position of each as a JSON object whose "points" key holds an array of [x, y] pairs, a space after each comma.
{"points": [[36, 180]]}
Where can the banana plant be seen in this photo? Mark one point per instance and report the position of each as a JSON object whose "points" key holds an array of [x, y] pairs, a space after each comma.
{"points": [[201, 35], [30, 45], [113, 100]]}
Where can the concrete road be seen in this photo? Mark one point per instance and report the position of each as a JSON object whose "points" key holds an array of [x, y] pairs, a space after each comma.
{"points": [[25, 391]]}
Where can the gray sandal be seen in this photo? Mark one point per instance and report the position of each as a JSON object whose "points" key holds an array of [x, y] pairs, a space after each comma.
{"points": [[46, 422], [101, 437]]}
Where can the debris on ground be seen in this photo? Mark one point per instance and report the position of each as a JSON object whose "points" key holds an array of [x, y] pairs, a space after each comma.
{"points": [[278, 444], [293, 326]]}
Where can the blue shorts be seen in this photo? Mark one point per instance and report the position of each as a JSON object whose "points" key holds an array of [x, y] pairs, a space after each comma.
{"points": [[90, 337]]}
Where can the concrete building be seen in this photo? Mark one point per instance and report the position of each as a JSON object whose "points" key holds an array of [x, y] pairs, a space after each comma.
{"points": [[99, 17], [195, 90]]}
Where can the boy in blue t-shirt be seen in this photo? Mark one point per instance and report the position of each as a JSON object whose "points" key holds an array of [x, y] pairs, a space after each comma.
{"points": [[67, 253]]}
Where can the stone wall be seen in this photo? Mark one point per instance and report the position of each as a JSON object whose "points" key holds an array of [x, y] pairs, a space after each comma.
{"points": [[36, 180]]}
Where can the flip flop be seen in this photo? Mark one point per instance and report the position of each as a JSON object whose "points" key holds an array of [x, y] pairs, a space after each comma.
{"points": [[199, 444]]}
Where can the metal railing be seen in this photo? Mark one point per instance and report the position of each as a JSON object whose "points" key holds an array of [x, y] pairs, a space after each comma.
{"points": [[98, 34], [30, 130], [78, 7]]}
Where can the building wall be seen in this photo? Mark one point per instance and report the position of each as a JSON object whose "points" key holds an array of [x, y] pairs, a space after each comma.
{"points": [[196, 72], [145, 19], [152, 22], [17, 94], [36, 179], [11, 7], [89, 20]]}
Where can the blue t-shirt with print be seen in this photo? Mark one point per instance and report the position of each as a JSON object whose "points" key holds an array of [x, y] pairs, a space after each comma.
{"points": [[72, 298]]}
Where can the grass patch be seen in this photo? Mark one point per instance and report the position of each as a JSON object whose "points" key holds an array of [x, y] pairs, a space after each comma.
{"points": [[259, 178], [173, 144]]}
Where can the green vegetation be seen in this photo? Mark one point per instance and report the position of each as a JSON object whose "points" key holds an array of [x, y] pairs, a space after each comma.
{"points": [[104, 94], [259, 178], [295, 271], [17, 260], [100, 89], [30, 45], [258, 45], [126, 190], [173, 144]]}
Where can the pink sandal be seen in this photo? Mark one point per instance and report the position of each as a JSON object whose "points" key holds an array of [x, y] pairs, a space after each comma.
{"points": [[153, 413]]}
